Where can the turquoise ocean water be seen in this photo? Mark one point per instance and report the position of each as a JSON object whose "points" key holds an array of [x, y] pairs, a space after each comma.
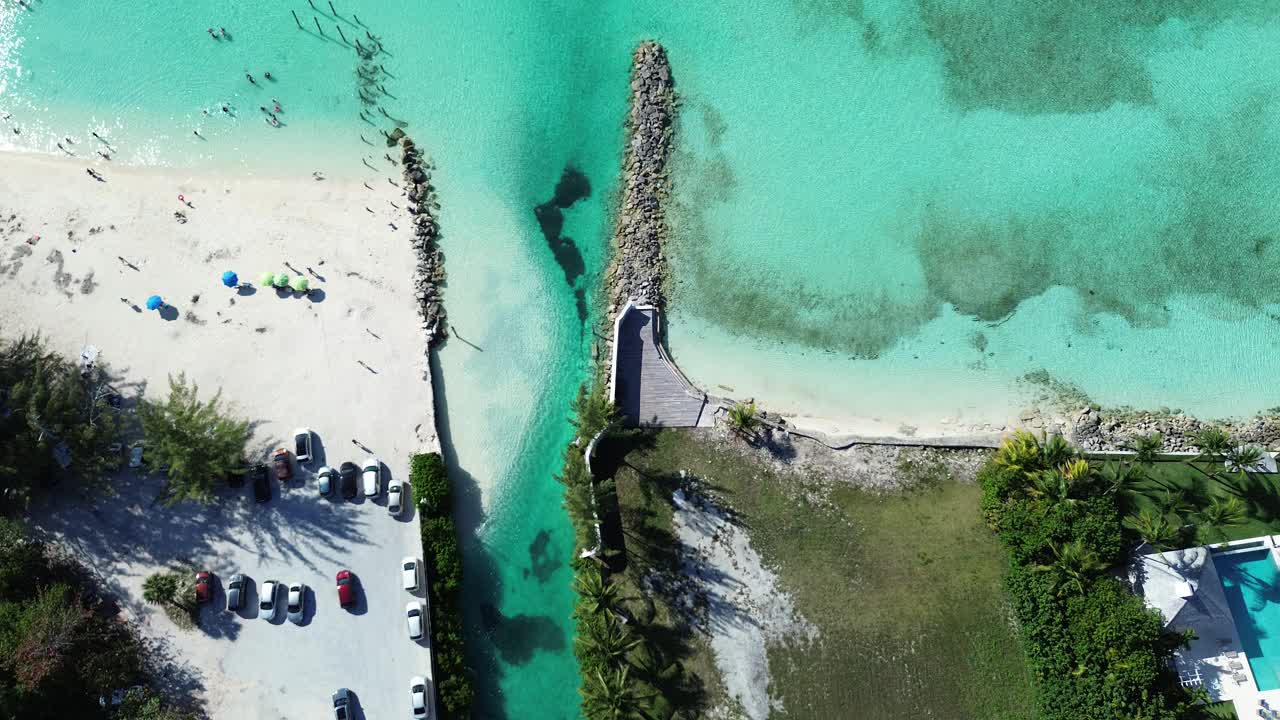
{"points": [[888, 208]]}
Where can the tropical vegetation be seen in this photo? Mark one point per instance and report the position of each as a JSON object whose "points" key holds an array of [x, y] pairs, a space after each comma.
{"points": [[612, 657], [61, 644], [56, 421], [194, 442], [429, 479], [1097, 652]]}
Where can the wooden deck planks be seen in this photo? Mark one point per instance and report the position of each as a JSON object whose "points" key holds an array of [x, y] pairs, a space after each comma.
{"points": [[649, 392]]}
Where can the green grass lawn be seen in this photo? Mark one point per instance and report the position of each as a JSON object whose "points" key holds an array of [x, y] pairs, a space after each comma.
{"points": [[1260, 493], [905, 589]]}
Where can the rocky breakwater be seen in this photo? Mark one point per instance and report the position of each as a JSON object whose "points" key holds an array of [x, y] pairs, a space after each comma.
{"points": [[1101, 430], [637, 268], [422, 207]]}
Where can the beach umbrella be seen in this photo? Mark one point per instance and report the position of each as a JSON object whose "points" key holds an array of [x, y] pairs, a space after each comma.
{"points": [[299, 284], [282, 280], [154, 302], [230, 279], [267, 279]]}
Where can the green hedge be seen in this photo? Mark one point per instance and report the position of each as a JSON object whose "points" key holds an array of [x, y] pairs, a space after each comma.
{"points": [[443, 563], [1097, 651]]}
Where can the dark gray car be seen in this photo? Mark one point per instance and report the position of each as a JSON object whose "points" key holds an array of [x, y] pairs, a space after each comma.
{"points": [[342, 704], [235, 592]]}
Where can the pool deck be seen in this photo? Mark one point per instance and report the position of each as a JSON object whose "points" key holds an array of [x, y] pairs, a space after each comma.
{"points": [[1163, 581]]}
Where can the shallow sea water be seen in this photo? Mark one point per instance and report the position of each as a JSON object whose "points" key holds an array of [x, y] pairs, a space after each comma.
{"points": [[885, 208]]}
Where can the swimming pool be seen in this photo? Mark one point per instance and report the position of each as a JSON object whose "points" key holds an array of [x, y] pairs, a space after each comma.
{"points": [[1251, 582]]}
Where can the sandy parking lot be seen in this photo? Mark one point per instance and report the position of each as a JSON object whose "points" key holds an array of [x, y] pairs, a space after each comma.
{"points": [[77, 259], [243, 665]]}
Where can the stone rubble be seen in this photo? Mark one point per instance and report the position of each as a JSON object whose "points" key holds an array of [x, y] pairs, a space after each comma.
{"points": [[422, 207], [1094, 430], [638, 268]]}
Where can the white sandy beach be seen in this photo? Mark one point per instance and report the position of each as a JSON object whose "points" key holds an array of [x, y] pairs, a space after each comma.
{"points": [[282, 361]]}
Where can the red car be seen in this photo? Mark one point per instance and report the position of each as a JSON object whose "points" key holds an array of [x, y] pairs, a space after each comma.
{"points": [[283, 471], [346, 588], [204, 586]]}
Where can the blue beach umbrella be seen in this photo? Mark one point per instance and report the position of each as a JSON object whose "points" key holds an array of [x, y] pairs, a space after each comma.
{"points": [[154, 302], [230, 279]]}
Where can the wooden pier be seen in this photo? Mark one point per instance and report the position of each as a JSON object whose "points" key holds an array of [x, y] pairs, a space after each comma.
{"points": [[646, 386]]}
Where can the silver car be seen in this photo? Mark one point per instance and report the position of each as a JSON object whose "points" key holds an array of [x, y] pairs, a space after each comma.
{"points": [[372, 477], [324, 480], [235, 592], [395, 501], [268, 605], [297, 601]]}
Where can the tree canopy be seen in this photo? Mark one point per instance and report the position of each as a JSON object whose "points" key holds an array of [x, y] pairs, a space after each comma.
{"points": [[194, 442]]}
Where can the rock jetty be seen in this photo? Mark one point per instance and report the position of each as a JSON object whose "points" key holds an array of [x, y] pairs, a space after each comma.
{"points": [[422, 208], [638, 268]]}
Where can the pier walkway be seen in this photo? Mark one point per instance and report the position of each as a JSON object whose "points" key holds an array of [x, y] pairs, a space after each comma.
{"points": [[645, 385]]}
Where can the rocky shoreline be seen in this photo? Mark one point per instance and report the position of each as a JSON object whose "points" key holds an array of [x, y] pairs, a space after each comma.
{"points": [[422, 208], [637, 268], [1098, 430]]}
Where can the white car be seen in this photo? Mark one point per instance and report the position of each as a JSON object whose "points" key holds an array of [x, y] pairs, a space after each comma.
{"points": [[395, 501], [268, 608], [371, 476], [409, 572], [302, 444], [418, 696], [324, 480], [297, 601], [415, 616]]}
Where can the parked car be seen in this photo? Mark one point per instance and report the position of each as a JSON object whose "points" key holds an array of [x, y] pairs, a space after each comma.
{"points": [[268, 607], [235, 592], [302, 444], [324, 480], [342, 704], [281, 461], [372, 475], [347, 471], [418, 696], [395, 501], [414, 617], [409, 573], [346, 588], [261, 484], [297, 601], [135, 456], [204, 586], [236, 477]]}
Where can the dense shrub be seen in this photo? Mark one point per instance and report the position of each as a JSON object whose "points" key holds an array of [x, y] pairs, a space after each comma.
{"points": [[1097, 651], [443, 562]]}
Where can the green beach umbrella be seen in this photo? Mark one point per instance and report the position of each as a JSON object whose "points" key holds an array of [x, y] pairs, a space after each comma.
{"points": [[299, 284], [267, 279], [282, 280]]}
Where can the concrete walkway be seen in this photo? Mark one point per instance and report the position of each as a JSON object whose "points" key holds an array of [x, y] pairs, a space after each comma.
{"points": [[646, 386]]}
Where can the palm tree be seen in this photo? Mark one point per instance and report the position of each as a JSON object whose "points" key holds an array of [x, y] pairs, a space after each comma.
{"points": [[1050, 485], [598, 594], [1241, 460], [1020, 453], [1146, 448], [743, 420], [1074, 564], [1154, 529], [608, 639], [1222, 513], [1056, 451], [612, 696], [1174, 503]]}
